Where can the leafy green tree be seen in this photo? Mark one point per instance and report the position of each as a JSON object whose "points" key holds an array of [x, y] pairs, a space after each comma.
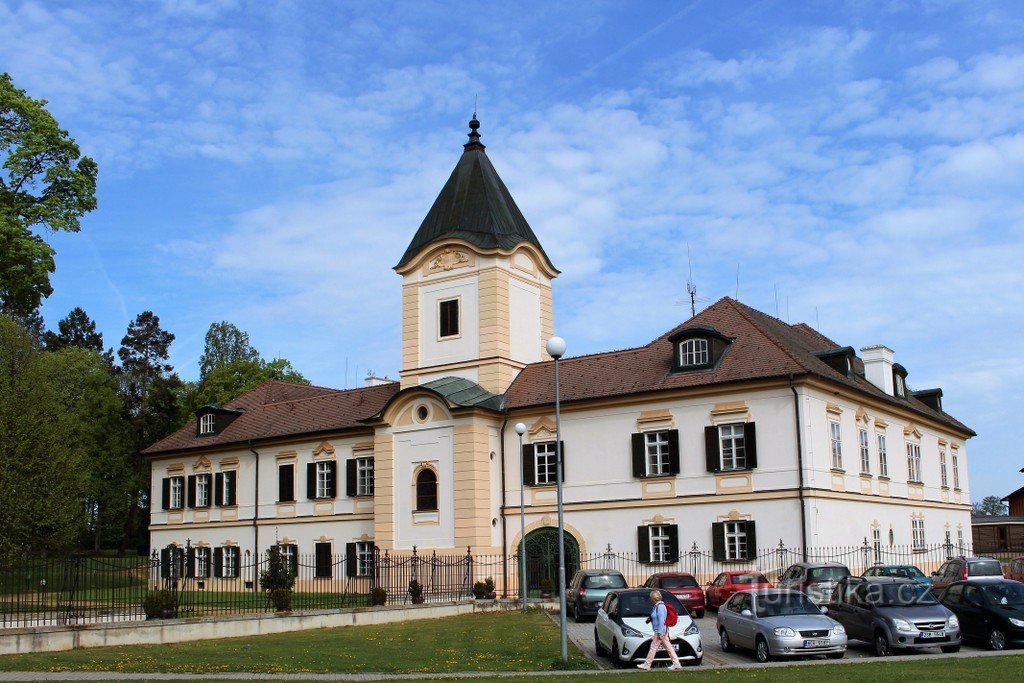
{"points": [[225, 344], [990, 506], [281, 368], [45, 182], [224, 383]]}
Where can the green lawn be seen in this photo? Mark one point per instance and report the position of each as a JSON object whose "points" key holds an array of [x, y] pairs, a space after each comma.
{"points": [[506, 641]]}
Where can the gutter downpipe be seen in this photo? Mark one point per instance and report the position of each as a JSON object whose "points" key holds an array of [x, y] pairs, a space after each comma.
{"points": [[501, 510], [800, 469], [256, 509]]}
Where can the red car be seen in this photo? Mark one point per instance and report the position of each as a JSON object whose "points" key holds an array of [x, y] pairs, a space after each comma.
{"points": [[727, 583], [1015, 569], [683, 586]]}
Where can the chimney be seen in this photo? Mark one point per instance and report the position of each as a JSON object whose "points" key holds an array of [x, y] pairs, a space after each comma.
{"points": [[373, 380], [878, 366]]}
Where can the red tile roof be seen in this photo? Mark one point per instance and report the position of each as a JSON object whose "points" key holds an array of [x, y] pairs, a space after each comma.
{"points": [[277, 409]]}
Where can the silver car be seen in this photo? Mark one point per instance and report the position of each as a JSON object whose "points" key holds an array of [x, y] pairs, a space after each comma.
{"points": [[779, 623]]}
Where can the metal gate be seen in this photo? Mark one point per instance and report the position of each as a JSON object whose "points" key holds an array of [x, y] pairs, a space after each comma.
{"points": [[542, 559]]}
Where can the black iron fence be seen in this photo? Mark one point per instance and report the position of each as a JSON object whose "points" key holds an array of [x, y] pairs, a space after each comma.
{"points": [[191, 581]]}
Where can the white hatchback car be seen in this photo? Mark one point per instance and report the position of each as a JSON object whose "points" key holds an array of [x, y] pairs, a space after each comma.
{"points": [[622, 629]]}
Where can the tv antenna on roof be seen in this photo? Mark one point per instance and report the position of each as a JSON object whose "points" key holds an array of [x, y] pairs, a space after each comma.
{"points": [[691, 288]]}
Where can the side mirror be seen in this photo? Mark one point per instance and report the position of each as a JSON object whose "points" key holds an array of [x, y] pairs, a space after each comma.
{"points": [[746, 613], [824, 609], [935, 573]]}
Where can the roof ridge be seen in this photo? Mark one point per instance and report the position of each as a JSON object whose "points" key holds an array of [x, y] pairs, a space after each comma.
{"points": [[596, 353], [740, 309], [334, 392]]}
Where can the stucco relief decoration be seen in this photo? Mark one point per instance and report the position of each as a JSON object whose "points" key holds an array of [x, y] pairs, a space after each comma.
{"points": [[449, 259]]}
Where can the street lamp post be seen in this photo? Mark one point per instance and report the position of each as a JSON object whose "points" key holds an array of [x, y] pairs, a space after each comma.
{"points": [[520, 430], [556, 349]]}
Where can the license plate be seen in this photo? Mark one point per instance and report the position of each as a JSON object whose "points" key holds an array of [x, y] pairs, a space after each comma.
{"points": [[933, 634], [816, 643]]}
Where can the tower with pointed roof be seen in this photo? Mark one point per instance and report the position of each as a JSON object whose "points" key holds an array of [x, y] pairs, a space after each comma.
{"points": [[476, 291]]}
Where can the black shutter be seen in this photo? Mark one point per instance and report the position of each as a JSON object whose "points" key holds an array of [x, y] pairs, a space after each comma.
{"points": [[332, 478], [323, 560], [218, 561], [711, 452], [311, 480], [351, 474], [561, 445], [750, 444], [293, 563], [166, 501], [190, 560], [673, 541], [673, 451], [286, 483], [639, 459], [643, 544], [165, 562], [751, 540], [191, 490], [529, 465], [350, 560], [218, 488], [718, 541], [229, 488]]}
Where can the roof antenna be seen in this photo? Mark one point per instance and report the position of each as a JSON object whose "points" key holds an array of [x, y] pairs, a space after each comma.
{"points": [[475, 98], [737, 297], [691, 288], [817, 321]]}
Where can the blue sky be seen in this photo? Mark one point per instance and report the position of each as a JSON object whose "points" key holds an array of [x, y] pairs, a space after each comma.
{"points": [[860, 163]]}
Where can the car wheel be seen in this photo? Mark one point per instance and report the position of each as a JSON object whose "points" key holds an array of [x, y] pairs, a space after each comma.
{"points": [[996, 639], [881, 645], [577, 617], [837, 655], [764, 655], [699, 614], [950, 649], [723, 637], [598, 647], [616, 660]]}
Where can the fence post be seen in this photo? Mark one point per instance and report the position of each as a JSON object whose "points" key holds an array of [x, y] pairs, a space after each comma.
{"points": [[467, 586]]}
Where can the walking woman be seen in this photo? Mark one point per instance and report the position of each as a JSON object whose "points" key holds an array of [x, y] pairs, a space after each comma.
{"points": [[661, 638]]}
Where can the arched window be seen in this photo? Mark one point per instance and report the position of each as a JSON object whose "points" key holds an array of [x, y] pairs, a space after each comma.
{"points": [[426, 490]]}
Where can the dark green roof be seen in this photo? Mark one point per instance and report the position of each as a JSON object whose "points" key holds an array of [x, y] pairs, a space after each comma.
{"points": [[464, 393], [475, 206]]}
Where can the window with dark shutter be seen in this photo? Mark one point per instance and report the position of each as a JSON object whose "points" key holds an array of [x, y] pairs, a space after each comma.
{"points": [[322, 561], [643, 544], [718, 541], [218, 561], [673, 451], [191, 490], [750, 444], [190, 563], [448, 312], [332, 487], [639, 448], [286, 483], [230, 488], [712, 455], [351, 560], [165, 562], [311, 480], [751, 540], [529, 475], [351, 477], [165, 501], [218, 488]]}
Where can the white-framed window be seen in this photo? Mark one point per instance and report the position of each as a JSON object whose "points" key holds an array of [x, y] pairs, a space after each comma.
{"points": [[876, 542], [956, 469], [693, 352], [960, 539], [364, 558], [917, 532], [203, 490], [207, 423], [735, 540], [836, 438], [202, 560], [364, 476], [229, 562], [289, 556], [865, 452], [913, 462], [324, 479], [177, 497], [660, 544], [448, 318], [732, 446], [545, 463], [883, 457], [942, 468], [657, 453]]}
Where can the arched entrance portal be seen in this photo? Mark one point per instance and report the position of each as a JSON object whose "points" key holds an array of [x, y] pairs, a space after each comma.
{"points": [[542, 559]]}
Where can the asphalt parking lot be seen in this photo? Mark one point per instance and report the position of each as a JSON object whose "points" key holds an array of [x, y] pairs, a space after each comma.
{"points": [[583, 635]]}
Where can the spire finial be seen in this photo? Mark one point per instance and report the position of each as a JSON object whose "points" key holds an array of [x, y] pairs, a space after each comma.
{"points": [[474, 136]]}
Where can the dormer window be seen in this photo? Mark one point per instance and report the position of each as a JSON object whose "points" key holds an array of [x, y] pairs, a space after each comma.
{"points": [[899, 381], [207, 423], [697, 348], [693, 352]]}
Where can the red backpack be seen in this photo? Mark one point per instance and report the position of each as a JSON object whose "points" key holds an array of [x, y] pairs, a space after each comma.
{"points": [[671, 618]]}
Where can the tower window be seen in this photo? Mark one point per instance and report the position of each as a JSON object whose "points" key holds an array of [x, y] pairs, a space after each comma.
{"points": [[426, 490], [448, 324]]}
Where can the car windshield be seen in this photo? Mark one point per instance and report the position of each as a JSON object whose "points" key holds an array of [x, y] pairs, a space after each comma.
{"points": [[783, 604], [603, 581], [901, 594], [1004, 594], [639, 604], [827, 573], [903, 572], [679, 582], [986, 568], [749, 578]]}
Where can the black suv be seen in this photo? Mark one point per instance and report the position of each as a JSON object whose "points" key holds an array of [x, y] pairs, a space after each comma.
{"points": [[963, 568]]}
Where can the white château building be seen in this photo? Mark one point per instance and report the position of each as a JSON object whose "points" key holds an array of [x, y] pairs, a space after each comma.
{"points": [[733, 431]]}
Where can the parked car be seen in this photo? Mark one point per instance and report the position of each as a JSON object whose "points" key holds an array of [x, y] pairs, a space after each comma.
{"points": [[815, 579], [622, 629], [893, 614], [900, 571], [963, 568], [1015, 569], [779, 623], [681, 585], [588, 589], [727, 583], [990, 610]]}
